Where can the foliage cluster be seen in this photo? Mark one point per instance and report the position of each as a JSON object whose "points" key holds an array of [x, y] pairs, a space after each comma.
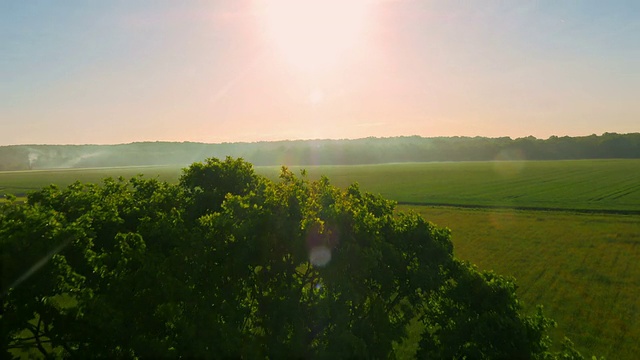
{"points": [[227, 263]]}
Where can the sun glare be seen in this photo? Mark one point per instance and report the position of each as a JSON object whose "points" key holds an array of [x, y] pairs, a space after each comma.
{"points": [[313, 35]]}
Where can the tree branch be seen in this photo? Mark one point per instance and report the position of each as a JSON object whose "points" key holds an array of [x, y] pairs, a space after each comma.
{"points": [[395, 301], [24, 343], [36, 335]]}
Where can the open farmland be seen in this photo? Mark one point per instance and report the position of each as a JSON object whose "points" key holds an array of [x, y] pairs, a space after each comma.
{"points": [[605, 185], [582, 267], [21, 182], [572, 184]]}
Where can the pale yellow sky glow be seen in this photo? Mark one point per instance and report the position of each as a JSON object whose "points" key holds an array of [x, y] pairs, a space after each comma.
{"points": [[257, 70], [315, 35]]}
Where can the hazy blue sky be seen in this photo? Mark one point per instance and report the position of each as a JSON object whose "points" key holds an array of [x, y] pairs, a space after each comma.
{"points": [[214, 71]]}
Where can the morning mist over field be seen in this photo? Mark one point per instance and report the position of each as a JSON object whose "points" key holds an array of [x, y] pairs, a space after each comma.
{"points": [[403, 149], [229, 71]]}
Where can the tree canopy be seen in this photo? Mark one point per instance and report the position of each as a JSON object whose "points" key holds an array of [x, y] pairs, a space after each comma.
{"points": [[227, 263]]}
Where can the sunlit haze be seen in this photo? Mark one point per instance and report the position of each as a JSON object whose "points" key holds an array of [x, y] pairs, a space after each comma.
{"points": [[313, 36], [225, 71]]}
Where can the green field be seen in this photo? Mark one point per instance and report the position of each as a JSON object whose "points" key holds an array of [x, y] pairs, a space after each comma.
{"points": [[612, 185], [21, 182], [581, 266], [577, 184]]}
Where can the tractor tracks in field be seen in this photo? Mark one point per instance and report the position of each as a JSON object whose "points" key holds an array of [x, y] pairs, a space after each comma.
{"points": [[525, 208]]}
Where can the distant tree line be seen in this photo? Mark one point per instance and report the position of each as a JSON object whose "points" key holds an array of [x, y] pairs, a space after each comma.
{"points": [[325, 152]]}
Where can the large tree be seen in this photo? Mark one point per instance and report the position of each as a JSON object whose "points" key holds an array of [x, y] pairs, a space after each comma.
{"points": [[229, 264]]}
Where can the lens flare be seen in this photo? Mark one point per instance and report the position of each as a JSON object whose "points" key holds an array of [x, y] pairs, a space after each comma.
{"points": [[320, 255]]}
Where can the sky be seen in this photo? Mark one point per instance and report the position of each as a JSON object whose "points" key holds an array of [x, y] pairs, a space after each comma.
{"points": [[109, 72]]}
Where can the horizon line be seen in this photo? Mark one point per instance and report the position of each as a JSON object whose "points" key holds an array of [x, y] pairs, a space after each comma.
{"points": [[314, 139]]}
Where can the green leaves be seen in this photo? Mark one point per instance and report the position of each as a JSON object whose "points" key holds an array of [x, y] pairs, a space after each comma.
{"points": [[230, 264]]}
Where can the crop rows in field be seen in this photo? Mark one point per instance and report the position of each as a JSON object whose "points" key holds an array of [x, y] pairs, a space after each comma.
{"points": [[583, 268], [576, 184], [572, 184]]}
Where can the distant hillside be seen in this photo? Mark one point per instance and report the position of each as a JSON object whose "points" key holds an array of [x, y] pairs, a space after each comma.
{"points": [[324, 152]]}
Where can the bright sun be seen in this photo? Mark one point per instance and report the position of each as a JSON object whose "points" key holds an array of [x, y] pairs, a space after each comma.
{"points": [[313, 35]]}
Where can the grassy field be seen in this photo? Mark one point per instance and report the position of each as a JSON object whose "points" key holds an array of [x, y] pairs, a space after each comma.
{"points": [[612, 185], [21, 182], [582, 184], [582, 267]]}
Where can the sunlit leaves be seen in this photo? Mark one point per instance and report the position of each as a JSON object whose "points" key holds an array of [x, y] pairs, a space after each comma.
{"points": [[229, 264]]}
